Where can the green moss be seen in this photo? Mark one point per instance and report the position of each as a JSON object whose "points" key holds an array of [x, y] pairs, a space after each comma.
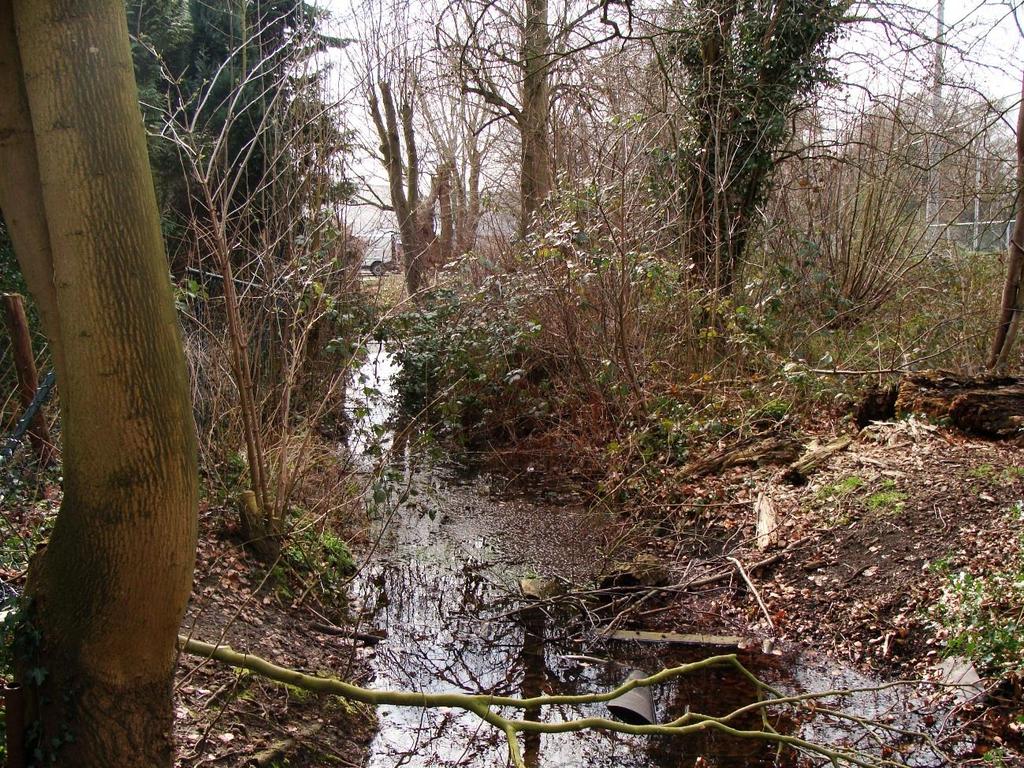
{"points": [[774, 410], [993, 474], [982, 472], [297, 694], [1012, 474], [844, 487], [891, 501]]}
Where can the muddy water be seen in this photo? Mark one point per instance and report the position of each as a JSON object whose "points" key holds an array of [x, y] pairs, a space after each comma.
{"points": [[443, 585]]}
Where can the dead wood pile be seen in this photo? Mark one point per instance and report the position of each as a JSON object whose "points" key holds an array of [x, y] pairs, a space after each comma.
{"points": [[989, 406]]}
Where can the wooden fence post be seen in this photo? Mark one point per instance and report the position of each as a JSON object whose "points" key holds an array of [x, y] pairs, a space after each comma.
{"points": [[28, 379]]}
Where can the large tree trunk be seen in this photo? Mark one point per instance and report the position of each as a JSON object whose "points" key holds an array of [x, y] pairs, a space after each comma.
{"points": [[742, 100], [1012, 303], [108, 592], [21, 195], [712, 221], [535, 167]]}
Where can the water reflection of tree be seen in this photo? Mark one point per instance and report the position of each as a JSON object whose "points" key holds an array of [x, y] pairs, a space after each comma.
{"points": [[714, 691], [535, 673], [430, 604], [436, 639], [542, 673], [433, 597]]}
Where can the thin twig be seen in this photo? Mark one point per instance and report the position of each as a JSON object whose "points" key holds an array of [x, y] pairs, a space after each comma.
{"points": [[753, 589]]}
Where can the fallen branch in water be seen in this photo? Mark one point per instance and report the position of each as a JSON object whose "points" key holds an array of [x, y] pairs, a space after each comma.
{"points": [[695, 640], [481, 705], [367, 638], [640, 594]]}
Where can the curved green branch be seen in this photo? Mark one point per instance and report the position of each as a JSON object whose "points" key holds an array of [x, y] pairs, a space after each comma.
{"points": [[481, 704]]}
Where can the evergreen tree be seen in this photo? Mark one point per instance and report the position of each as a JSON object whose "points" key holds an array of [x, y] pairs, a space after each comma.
{"points": [[225, 65]]}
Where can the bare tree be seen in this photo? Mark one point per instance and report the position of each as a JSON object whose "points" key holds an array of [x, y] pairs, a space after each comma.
{"points": [[504, 55], [273, 258], [456, 123], [394, 124]]}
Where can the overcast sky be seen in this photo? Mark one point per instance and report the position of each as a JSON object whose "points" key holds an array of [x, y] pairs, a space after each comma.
{"points": [[984, 46]]}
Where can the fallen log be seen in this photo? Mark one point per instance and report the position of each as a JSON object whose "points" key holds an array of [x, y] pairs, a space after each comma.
{"points": [[767, 532], [761, 453], [363, 637], [798, 471], [997, 414], [877, 404], [989, 406]]}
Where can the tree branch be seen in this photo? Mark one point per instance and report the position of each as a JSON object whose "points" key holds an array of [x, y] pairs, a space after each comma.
{"points": [[481, 704]]}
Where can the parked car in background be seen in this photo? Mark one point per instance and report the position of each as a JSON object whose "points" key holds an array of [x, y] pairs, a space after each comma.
{"points": [[382, 254]]}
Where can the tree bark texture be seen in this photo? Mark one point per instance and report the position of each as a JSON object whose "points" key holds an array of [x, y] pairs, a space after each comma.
{"points": [[468, 207], [108, 592], [1011, 304], [535, 164], [447, 214]]}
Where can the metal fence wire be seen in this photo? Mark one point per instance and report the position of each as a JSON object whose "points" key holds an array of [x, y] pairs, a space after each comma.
{"points": [[14, 439]]}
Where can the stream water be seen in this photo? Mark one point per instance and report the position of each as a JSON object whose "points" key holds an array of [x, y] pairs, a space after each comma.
{"points": [[443, 584]]}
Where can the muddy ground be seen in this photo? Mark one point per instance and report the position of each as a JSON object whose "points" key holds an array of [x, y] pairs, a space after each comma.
{"points": [[230, 718], [861, 556]]}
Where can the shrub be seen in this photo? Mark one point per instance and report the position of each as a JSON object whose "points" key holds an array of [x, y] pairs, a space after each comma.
{"points": [[323, 554], [982, 615]]}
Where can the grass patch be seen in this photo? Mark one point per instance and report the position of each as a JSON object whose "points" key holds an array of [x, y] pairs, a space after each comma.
{"points": [[990, 473], [1012, 474], [841, 489], [888, 500], [838, 513], [982, 472]]}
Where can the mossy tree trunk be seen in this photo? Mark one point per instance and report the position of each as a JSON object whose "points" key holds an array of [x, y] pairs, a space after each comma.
{"points": [[108, 592]]}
